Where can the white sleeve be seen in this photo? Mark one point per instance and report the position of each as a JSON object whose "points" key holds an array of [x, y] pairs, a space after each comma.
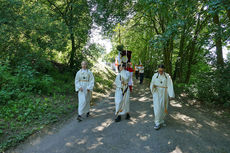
{"points": [[91, 81], [118, 81], [151, 84], [170, 87], [77, 82]]}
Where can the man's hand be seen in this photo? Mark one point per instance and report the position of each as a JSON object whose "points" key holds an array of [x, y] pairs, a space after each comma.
{"points": [[154, 86], [81, 89]]}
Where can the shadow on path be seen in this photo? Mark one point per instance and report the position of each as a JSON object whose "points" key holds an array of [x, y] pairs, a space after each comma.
{"points": [[188, 130]]}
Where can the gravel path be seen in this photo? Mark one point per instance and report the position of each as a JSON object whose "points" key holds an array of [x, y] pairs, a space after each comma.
{"points": [[189, 130]]}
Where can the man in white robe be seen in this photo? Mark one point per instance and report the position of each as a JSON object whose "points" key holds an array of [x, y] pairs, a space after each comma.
{"points": [[162, 89], [122, 94], [84, 83]]}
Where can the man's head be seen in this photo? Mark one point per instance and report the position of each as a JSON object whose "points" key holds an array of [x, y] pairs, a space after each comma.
{"points": [[84, 64], [161, 69]]}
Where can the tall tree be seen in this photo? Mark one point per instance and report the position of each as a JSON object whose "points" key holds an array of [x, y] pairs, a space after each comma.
{"points": [[76, 16], [218, 40]]}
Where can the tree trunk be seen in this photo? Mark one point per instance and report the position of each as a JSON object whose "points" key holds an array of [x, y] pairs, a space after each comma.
{"points": [[178, 68], [191, 54], [72, 38], [166, 59], [226, 4], [167, 56], [73, 51], [170, 54], [192, 47], [218, 41]]}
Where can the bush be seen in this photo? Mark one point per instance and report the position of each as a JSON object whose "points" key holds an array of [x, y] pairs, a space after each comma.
{"points": [[25, 103], [21, 80], [212, 87]]}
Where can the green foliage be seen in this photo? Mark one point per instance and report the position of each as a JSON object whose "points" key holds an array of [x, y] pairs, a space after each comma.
{"points": [[94, 51], [181, 35], [39, 39], [212, 87], [23, 117], [110, 57], [34, 95], [28, 98], [108, 13], [17, 82], [120, 47], [102, 85]]}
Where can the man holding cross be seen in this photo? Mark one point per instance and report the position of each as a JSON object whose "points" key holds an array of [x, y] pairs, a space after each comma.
{"points": [[122, 93]]}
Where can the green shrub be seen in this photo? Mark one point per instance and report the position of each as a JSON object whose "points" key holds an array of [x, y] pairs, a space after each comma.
{"points": [[212, 87], [21, 80]]}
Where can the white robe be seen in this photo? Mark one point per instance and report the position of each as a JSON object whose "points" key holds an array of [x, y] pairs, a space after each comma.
{"points": [[120, 100], [84, 79], [160, 97]]}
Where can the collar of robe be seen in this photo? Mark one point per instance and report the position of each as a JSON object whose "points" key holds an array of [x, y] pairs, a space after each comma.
{"points": [[83, 71], [159, 74], [84, 77]]}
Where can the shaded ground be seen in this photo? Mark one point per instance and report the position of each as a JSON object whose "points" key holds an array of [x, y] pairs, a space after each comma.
{"points": [[189, 129]]}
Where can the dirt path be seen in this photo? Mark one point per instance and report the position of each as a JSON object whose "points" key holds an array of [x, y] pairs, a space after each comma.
{"points": [[188, 130]]}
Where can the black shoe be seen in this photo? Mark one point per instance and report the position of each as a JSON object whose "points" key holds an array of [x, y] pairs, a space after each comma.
{"points": [[118, 119], [127, 116], [79, 118], [157, 127], [88, 114]]}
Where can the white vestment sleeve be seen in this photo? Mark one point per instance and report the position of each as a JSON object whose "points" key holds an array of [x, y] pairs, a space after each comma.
{"points": [[118, 81], [127, 76], [153, 81], [77, 82], [170, 87], [91, 81], [151, 84]]}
